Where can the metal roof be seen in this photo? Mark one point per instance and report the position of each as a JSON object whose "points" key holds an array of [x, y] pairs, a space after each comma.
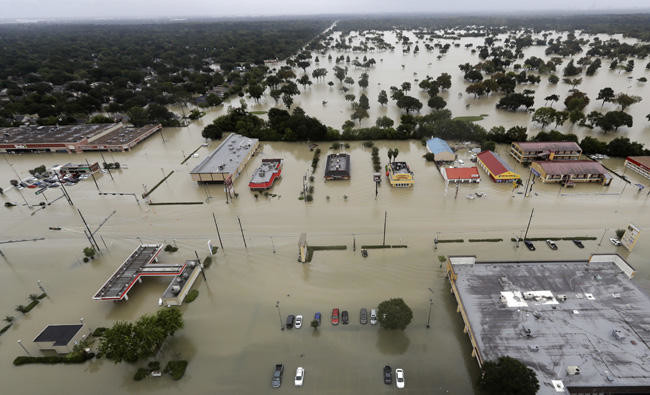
{"points": [[460, 173], [640, 160], [563, 167], [437, 145], [494, 162], [552, 146]]}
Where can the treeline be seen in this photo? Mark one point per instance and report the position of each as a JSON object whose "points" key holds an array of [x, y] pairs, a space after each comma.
{"points": [[64, 72], [631, 25], [297, 126]]}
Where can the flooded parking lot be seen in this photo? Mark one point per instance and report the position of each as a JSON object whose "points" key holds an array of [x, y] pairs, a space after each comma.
{"points": [[232, 335]]}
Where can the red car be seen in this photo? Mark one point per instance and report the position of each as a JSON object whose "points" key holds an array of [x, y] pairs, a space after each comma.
{"points": [[335, 316]]}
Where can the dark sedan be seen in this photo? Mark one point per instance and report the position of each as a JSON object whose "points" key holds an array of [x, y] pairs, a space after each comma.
{"points": [[388, 375]]}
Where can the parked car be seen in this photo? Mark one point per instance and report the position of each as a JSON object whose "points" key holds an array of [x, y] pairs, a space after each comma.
{"points": [[345, 317], [388, 375], [373, 317], [529, 244], [300, 376], [290, 319], [614, 241], [399, 378], [363, 316], [578, 243], [551, 244], [317, 318], [276, 381], [335, 316], [298, 322]]}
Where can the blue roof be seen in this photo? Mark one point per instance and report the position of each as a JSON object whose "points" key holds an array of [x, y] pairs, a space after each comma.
{"points": [[436, 146]]}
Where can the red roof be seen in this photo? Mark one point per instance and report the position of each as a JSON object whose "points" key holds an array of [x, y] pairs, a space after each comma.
{"points": [[461, 173], [493, 162], [643, 161]]}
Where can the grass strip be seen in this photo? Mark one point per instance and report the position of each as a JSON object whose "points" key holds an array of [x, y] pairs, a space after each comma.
{"points": [[485, 240], [190, 155], [172, 203], [451, 241], [311, 249]]}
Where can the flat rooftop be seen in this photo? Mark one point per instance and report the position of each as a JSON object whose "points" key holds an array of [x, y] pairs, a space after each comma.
{"points": [[181, 279], [227, 157], [338, 162], [400, 168], [51, 134], [124, 136], [59, 334], [553, 315], [266, 170]]}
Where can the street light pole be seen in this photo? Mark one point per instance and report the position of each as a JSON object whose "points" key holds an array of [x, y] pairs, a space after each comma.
{"points": [[20, 343], [429, 317], [277, 306]]}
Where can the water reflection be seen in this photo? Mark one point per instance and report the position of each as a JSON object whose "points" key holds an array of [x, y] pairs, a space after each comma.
{"points": [[392, 342]]}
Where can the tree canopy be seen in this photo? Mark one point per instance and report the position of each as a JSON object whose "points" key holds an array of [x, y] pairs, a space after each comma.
{"points": [[394, 313], [508, 376]]}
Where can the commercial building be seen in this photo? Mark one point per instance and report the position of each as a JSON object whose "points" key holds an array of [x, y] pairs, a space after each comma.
{"points": [[227, 161], [73, 138], [496, 168], [265, 175], [400, 175], [60, 338], [582, 325], [529, 151], [639, 164], [460, 174], [337, 167], [571, 171], [143, 262], [440, 150]]}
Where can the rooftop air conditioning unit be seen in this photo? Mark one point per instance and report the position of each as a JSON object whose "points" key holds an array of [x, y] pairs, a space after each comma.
{"points": [[618, 334], [572, 370], [529, 295], [561, 298]]}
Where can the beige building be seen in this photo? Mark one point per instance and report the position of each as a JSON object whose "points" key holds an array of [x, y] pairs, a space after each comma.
{"points": [[571, 171], [530, 151], [60, 338], [227, 161]]}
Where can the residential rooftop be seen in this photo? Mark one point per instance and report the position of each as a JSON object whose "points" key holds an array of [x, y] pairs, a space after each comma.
{"points": [[559, 316]]}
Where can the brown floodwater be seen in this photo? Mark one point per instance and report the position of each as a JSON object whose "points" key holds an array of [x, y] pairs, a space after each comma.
{"points": [[232, 335]]}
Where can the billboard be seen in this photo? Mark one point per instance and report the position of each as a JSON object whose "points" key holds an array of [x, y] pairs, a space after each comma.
{"points": [[630, 237]]}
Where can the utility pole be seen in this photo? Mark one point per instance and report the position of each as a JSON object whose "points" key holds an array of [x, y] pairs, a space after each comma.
{"points": [[217, 226], [90, 234], [198, 262], [529, 219], [429, 317], [92, 175], [20, 343], [277, 306], [272, 244], [65, 191], [457, 187], [40, 286], [602, 237], [242, 233], [530, 174], [107, 167], [383, 243]]}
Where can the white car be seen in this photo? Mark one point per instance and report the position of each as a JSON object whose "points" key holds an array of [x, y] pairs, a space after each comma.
{"points": [[300, 377], [399, 378], [373, 317], [298, 322], [614, 241]]}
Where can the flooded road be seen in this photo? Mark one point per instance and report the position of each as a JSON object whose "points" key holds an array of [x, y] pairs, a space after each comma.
{"points": [[232, 335]]}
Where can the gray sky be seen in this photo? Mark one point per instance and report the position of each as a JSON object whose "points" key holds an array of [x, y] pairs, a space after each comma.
{"points": [[207, 8]]}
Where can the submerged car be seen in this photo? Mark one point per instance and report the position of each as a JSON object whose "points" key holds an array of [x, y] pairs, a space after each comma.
{"points": [[298, 323], [399, 378], [388, 375], [276, 381], [614, 241], [345, 317], [529, 244], [335, 316], [290, 319], [578, 243], [551, 244], [363, 316], [300, 377], [317, 318], [373, 317]]}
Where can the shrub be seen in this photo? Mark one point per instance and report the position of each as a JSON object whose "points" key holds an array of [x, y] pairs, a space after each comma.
{"points": [[140, 374], [154, 365], [73, 357], [193, 294], [89, 252], [207, 262], [620, 233], [99, 332], [170, 248], [309, 198], [176, 369], [429, 157]]}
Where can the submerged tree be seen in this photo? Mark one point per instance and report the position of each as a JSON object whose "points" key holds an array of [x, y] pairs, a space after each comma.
{"points": [[508, 376]]}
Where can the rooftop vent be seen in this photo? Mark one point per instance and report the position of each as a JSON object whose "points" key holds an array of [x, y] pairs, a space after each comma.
{"points": [[561, 298], [533, 348], [572, 370], [618, 334]]}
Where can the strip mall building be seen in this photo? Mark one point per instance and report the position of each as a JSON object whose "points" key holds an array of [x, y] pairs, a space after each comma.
{"points": [[496, 168]]}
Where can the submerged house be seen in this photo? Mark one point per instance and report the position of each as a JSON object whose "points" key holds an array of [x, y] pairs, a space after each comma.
{"points": [[497, 168]]}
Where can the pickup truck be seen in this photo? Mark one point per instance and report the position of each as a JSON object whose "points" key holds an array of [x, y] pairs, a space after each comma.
{"points": [[276, 381]]}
